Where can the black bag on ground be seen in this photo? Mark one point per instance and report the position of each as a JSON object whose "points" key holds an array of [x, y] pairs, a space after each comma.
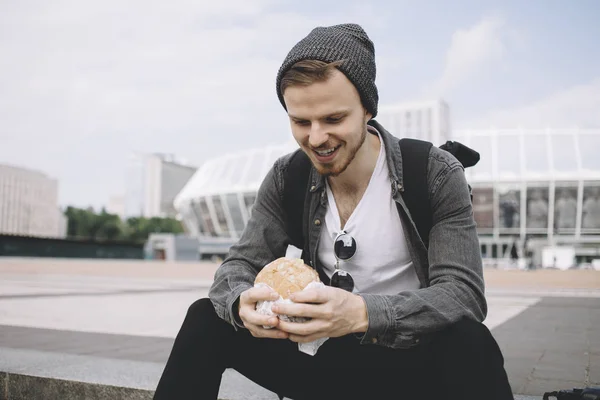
{"points": [[590, 393]]}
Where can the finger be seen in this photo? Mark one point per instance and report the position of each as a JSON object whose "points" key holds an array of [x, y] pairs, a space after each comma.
{"points": [[256, 294], [300, 310], [316, 295], [302, 328], [260, 332], [249, 315]]}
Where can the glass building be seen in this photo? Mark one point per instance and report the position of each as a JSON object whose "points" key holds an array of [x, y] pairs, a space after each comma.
{"points": [[531, 189]]}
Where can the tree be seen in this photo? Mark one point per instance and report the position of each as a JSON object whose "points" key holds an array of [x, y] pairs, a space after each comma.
{"points": [[140, 228], [86, 224]]}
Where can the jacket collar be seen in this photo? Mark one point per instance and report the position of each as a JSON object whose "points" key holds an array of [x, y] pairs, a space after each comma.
{"points": [[392, 153]]}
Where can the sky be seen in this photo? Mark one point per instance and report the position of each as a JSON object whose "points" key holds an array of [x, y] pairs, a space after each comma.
{"points": [[83, 85]]}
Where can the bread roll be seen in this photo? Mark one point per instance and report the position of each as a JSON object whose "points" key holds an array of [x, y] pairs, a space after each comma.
{"points": [[287, 276]]}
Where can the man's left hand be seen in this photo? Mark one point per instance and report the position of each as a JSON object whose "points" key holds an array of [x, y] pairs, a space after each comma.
{"points": [[334, 312]]}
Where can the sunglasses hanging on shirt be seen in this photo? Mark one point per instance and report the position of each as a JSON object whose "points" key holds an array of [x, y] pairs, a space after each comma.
{"points": [[344, 248]]}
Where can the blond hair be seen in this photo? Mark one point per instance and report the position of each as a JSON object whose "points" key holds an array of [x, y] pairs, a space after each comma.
{"points": [[307, 72]]}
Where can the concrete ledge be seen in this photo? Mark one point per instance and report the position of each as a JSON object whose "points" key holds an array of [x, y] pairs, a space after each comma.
{"points": [[26, 387], [41, 375], [14, 386], [49, 375]]}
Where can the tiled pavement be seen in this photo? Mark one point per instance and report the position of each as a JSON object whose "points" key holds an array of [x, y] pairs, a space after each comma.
{"points": [[119, 331], [554, 344]]}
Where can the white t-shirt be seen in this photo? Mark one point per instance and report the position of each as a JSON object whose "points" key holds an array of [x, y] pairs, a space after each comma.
{"points": [[382, 263]]}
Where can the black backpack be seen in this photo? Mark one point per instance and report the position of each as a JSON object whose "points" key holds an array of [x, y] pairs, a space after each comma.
{"points": [[415, 157]]}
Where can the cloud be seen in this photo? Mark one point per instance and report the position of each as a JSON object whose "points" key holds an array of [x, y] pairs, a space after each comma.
{"points": [[575, 106], [471, 50]]}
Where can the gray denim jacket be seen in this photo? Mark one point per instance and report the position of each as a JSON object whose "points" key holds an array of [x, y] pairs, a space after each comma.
{"points": [[450, 271]]}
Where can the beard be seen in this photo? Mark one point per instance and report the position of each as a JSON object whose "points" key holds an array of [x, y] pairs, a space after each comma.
{"points": [[342, 161]]}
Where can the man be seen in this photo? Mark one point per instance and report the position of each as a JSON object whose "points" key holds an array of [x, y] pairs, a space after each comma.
{"points": [[409, 325], [538, 210], [591, 209], [565, 210], [509, 205]]}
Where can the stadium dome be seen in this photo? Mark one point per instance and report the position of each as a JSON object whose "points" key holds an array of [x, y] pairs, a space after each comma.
{"points": [[217, 201]]}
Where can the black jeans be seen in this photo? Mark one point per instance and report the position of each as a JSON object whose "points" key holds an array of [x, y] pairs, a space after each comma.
{"points": [[462, 362]]}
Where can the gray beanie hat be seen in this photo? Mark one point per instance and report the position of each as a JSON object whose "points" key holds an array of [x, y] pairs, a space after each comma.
{"points": [[347, 42]]}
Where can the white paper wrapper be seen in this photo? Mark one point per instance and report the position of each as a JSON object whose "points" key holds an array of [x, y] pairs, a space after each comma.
{"points": [[264, 307]]}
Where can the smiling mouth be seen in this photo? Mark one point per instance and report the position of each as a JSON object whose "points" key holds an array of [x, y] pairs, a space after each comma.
{"points": [[328, 152]]}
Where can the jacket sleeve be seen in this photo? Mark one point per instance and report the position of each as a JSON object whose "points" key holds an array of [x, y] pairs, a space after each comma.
{"points": [[263, 240], [456, 285]]}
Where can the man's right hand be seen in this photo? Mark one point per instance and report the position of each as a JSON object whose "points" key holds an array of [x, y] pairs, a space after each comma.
{"points": [[253, 320]]}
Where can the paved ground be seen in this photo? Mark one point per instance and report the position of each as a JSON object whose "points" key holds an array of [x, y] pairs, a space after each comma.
{"points": [[114, 322]]}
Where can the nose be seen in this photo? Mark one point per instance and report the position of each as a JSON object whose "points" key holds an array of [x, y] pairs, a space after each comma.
{"points": [[318, 136]]}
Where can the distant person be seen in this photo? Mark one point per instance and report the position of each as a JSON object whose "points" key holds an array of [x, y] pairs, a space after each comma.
{"points": [[565, 210], [403, 313], [514, 253], [528, 253], [537, 211], [509, 205], [591, 210]]}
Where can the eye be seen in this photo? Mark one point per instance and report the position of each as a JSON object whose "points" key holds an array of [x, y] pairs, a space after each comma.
{"points": [[301, 122], [334, 120]]}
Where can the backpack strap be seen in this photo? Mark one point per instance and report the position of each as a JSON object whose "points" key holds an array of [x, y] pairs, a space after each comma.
{"points": [[295, 190], [415, 158]]}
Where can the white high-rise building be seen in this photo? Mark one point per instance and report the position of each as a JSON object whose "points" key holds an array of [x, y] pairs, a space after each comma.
{"points": [[153, 181], [427, 120], [29, 203]]}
